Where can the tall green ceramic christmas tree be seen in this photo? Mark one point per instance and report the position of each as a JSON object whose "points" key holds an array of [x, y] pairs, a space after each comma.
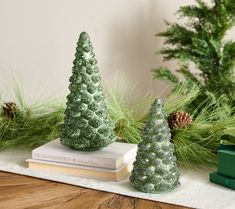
{"points": [[155, 169], [87, 125]]}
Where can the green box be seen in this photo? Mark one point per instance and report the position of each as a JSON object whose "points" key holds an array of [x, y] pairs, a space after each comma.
{"points": [[222, 180], [226, 163]]}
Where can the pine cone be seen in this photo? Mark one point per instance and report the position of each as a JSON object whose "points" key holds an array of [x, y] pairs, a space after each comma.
{"points": [[9, 109], [179, 119]]}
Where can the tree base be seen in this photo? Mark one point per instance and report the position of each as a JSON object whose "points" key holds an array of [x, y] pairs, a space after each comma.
{"points": [[158, 191], [86, 149]]}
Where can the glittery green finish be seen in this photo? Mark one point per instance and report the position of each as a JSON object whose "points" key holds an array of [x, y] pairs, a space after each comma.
{"points": [[155, 169], [87, 125]]}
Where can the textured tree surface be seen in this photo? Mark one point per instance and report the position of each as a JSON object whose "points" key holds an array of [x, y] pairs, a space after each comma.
{"points": [[155, 169], [200, 39], [87, 125]]}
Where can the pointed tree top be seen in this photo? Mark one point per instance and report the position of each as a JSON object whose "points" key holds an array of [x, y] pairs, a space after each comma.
{"points": [[84, 42], [157, 102], [84, 36]]}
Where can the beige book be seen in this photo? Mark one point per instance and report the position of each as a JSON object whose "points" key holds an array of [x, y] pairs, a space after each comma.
{"points": [[114, 156], [82, 171]]}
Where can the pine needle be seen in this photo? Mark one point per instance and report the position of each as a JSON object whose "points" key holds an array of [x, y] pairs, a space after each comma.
{"points": [[129, 119], [181, 97], [33, 126]]}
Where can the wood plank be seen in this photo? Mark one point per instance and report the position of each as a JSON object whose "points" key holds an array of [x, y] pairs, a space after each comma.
{"points": [[22, 192]]}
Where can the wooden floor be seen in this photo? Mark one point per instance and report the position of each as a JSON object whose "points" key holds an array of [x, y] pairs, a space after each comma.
{"points": [[18, 191]]}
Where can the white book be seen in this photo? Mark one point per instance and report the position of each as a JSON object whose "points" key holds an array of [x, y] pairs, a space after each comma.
{"points": [[113, 156], [82, 171]]}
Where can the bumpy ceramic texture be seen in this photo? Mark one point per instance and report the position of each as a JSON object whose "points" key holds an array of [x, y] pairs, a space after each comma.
{"points": [[87, 125], [155, 169]]}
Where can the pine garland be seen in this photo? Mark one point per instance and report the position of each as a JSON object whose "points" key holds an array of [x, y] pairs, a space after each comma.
{"points": [[195, 145]]}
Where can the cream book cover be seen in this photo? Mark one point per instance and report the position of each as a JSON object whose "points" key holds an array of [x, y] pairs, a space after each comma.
{"points": [[82, 171], [113, 156]]}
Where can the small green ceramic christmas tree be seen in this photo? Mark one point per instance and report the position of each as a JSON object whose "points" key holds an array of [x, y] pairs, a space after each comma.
{"points": [[155, 169], [87, 125]]}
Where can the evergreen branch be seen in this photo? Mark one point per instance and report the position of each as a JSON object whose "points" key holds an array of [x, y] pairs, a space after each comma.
{"points": [[201, 41], [177, 34], [192, 154], [215, 44], [195, 11], [164, 73], [223, 18], [19, 96], [202, 5], [230, 6], [228, 58], [188, 75], [180, 53], [181, 97], [31, 128], [128, 119], [140, 107], [205, 133], [199, 46]]}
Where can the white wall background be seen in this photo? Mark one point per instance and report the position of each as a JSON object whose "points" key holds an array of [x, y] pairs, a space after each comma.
{"points": [[38, 40]]}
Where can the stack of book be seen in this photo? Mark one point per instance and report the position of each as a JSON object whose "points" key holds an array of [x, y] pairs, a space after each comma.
{"points": [[111, 163]]}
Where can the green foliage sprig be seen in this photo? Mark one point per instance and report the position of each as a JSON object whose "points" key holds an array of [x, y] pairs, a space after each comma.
{"points": [[33, 125], [129, 119], [198, 143], [201, 40]]}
